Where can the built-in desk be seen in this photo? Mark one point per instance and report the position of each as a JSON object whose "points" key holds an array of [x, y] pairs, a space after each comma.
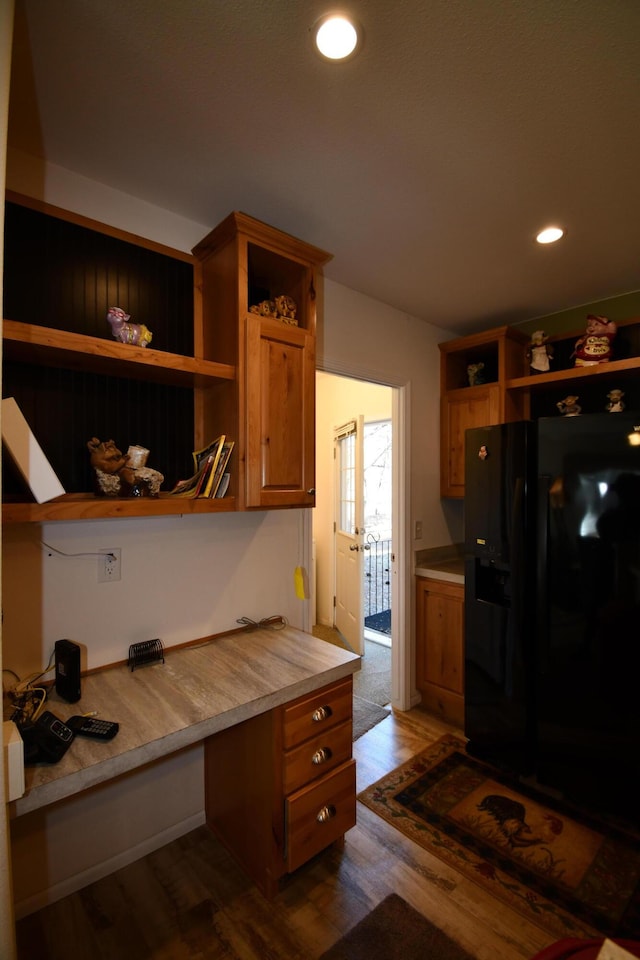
{"points": [[231, 684], [274, 709]]}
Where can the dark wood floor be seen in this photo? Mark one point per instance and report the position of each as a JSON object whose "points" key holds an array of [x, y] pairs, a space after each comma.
{"points": [[188, 900]]}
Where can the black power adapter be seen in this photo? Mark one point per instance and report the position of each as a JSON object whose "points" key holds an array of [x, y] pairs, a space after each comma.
{"points": [[67, 660]]}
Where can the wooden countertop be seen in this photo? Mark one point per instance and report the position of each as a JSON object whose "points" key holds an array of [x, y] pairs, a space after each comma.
{"points": [[163, 707]]}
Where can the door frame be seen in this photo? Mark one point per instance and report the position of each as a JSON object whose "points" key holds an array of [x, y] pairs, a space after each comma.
{"points": [[404, 693]]}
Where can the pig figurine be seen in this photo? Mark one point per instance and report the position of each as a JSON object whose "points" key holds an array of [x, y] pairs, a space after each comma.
{"points": [[134, 333]]}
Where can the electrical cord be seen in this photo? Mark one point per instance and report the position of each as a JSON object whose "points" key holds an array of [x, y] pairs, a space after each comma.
{"points": [[276, 622], [26, 700], [68, 556]]}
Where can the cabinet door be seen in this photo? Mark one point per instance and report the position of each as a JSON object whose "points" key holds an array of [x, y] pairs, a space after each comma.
{"points": [[280, 414], [460, 410], [440, 646]]}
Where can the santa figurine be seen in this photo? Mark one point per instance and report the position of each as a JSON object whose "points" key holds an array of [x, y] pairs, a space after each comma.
{"points": [[595, 346]]}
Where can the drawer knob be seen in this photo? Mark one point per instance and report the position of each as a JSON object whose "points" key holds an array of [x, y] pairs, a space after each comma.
{"points": [[322, 713], [327, 813], [321, 755]]}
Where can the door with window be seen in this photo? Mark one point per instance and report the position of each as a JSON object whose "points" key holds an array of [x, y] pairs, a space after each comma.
{"points": [[349, 533]]}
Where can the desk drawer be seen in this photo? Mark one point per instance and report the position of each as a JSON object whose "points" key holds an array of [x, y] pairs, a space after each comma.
{"points": [[308, 716], [319, 814], [316, 757]]}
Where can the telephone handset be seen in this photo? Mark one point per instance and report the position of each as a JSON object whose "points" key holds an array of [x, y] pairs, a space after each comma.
{"points": [[46, 740]]}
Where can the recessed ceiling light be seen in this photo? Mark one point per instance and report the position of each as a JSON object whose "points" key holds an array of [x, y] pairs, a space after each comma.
{"points": [[337, 37], [550, 235]]}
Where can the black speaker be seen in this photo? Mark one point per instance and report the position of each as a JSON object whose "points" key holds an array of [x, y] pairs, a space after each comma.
{"points": [[67, 670]]}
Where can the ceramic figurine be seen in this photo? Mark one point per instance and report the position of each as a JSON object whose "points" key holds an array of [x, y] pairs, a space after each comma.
{"points": [[616, 403], [134, 333], [475, 374], [539, 352], [596, 345], [282, 308], [569, 406], [116, 477]]}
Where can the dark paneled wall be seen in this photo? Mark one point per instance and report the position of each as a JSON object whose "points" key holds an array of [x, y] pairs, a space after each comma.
{"points": [[61, 275]]}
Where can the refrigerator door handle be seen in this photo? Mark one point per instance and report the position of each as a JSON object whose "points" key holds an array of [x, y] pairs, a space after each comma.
{"points": [[541, 593]]}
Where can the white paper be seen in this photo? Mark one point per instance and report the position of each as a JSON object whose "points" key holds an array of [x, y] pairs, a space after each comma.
{"points": [[27, 453]]}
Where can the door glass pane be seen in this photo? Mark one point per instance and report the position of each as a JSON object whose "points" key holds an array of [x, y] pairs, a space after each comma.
{"points": [[347, 493]]}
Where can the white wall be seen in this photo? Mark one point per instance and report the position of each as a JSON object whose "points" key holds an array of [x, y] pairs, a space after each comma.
{"points": [[182, 577], [364, 338]]}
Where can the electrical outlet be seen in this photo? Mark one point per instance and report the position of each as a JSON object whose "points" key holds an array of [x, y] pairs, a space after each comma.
{"points": [[418, 530], [109, 565]]}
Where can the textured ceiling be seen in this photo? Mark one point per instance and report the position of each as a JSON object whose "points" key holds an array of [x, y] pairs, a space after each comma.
{"points": [[425, 165]]}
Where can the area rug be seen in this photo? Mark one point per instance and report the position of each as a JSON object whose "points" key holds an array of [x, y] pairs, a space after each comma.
{"points": [[365, 716], [395, 931], [560, 868]]}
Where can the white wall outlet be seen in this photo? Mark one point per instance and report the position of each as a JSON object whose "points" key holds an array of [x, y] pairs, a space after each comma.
{"points": [[109, 565]]}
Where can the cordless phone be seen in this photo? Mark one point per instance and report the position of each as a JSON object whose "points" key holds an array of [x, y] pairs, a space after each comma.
{"points": [[46, 740]]}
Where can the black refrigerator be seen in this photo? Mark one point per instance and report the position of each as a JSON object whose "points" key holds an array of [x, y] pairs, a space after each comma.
{"points": [[552, 604]]}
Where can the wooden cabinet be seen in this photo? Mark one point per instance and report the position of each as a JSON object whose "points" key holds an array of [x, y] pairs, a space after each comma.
{"points": [[511, 392], [212, 367], [239, 265], [502, 353], [440, 647], [288, 789]]}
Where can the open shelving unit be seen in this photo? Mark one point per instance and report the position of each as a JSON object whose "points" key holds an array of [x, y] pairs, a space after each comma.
{"points": [[217, 363], [511, 392]]}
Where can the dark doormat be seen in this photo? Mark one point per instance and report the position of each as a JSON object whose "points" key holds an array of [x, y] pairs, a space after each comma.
{"points": [[395, 931], [380, 622], [572, 874], [366, 715]]}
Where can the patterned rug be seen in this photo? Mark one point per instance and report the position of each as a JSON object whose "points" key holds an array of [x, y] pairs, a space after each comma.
{"points": [[560, 868]]}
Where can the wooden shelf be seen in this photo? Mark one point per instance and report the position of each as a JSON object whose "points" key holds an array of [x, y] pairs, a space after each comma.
{"points": [[573, 374], [86, 506], [28, 343]]}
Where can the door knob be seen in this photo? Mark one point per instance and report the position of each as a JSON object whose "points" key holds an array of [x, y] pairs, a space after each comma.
{"points": [[354, 546]]}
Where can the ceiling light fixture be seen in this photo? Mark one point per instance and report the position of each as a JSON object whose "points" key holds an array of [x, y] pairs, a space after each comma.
{"points": [[550, 235], [337, 37]]}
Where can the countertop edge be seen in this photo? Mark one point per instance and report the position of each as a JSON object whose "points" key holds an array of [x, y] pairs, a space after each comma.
{"points": [[440, 573]]}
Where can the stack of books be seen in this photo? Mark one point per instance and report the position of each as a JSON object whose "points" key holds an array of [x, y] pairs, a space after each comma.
{"points": [[209, 479]]}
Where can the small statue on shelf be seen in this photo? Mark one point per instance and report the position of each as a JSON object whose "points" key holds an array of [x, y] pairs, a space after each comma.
{"points": [[539, 352], [286, 310], [115, 474], [134, 333], [616, 403], [475, 374], [282, 308], [596, 345], [569, 407]]}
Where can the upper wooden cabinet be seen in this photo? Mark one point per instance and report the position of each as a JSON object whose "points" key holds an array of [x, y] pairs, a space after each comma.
{"points": [[212, 367], [239, 265], [503, 354], [511, 391]]}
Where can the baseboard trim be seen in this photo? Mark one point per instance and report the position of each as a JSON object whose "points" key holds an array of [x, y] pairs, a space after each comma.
{"points": [[79, 880]]}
